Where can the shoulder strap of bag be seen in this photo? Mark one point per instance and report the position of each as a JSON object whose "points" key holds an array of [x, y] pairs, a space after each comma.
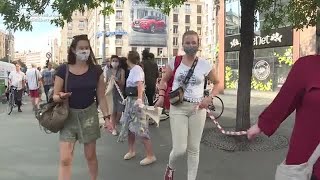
{"points": [[315, 156], [66, 79], [190, 72], [35, 72], [177, 62]]}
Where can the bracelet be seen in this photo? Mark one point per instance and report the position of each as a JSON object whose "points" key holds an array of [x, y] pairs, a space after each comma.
{"points": [[162, 90]]}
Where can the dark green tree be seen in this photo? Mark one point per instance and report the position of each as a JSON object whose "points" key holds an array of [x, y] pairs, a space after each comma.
{"points": [[17, 13]]}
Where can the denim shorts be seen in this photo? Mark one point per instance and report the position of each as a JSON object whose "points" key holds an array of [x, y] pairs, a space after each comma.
{"points": [[81, 125]]}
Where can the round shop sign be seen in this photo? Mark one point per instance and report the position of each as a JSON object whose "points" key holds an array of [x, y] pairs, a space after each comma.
{"points": [[261, 70]]}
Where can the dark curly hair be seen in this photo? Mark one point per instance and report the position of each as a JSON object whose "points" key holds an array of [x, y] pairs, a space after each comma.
{"points": [[72, 57]]}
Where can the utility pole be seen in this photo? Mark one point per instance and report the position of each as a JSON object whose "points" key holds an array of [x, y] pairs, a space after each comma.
{"points": [[104, 36], [9, 46]]}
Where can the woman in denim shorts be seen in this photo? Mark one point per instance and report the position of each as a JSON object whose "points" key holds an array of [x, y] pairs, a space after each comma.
{"points": [[85, 82]]}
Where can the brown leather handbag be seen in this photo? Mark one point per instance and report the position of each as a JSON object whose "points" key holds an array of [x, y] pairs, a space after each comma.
{"points": [[52, 115], [176, 96]]}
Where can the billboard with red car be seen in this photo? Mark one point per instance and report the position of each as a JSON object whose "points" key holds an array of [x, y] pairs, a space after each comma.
{"points": [[148, 25]]}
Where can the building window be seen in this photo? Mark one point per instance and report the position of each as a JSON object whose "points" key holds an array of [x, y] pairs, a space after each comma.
{"points": [[175, 29], [187, 19], [118, 51], [188, 8], [187, 28], [198, 19], [119, 15], [69, 34], [119, 40], [199, 30], [81, 24], [134, 49], [118, 26], [107, 27], [199, 9], [69, 41], [159, 52], [69, 25], [175, 52], [175, 41], [119, 3], [175, 18]]}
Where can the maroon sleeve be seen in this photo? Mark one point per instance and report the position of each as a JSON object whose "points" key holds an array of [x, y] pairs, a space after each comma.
{"points": [[286, 101]]}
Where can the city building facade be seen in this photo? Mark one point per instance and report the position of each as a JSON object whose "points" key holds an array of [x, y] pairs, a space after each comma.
{"points": [[270, 49], [78, 25], [6, 45], [37, 58], [135, 26]]}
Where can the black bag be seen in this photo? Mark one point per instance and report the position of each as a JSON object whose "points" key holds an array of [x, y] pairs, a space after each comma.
{"points": [[132, 91], [176, 96]]}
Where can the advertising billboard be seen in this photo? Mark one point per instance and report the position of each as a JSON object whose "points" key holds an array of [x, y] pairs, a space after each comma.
{"points": [[148, 26]]}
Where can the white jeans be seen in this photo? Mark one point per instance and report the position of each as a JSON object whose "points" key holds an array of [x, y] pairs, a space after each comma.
{"points": [[187, 125]]}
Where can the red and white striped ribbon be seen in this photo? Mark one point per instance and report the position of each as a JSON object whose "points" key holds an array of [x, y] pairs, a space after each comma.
{"points": [[230, 133], [119, 91]]}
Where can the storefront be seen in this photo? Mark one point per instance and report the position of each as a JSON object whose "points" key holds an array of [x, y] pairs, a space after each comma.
{"points": [[273, 51]]}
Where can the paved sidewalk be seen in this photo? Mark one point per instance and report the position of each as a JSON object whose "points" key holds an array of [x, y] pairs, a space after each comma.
{"points": [[28, 153]]}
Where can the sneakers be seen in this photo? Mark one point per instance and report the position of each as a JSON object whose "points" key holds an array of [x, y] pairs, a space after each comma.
{"points": [[129, 156], [168, 174], [144, 162], [147, 161]]}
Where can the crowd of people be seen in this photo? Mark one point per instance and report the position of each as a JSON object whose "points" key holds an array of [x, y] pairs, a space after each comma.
{"points": [[32, 82], [82, 83]]}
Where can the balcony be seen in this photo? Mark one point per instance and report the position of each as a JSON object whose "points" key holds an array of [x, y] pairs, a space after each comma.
{"points": [[119, 42]]}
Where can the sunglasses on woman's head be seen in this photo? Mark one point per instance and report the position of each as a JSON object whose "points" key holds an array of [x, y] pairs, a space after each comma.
{"points": [[82, 36]]}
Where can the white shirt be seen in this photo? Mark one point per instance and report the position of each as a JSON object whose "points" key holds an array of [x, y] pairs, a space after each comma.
{"points": [[17, 78], [136, 74], [33, 76], [195, 87]]}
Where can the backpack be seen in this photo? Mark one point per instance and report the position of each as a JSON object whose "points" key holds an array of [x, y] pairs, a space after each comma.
{"points": [[177, 62]]}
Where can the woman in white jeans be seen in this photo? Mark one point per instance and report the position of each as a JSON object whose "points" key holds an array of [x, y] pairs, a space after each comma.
{"points": [[188, 118]]}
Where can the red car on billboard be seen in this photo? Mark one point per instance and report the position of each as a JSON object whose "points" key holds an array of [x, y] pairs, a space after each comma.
{"points": [[150, 24]]}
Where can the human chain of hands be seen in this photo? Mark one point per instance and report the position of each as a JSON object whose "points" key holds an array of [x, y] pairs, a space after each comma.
{"points": [[251, 133]]}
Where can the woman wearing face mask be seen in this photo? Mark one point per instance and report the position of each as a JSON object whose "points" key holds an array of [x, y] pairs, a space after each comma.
{"points": [[84, 81], [133, 121], [118, 74], [188, 118]]}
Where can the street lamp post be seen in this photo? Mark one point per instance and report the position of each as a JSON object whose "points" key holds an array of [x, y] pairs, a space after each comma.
{"points": [[104, 35]]}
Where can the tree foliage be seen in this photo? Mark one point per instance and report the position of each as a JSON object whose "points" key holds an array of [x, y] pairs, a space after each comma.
{"points": [[296, 13], [17, 13]]}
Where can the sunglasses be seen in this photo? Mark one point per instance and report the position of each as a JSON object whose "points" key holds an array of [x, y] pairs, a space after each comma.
{"points": [[81, 36]]}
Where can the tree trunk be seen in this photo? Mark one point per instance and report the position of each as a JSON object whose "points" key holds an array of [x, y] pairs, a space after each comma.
{"points": [[245, 64]]}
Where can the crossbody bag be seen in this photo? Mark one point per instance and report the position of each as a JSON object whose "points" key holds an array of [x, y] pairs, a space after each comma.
{"points": [[176, 96]]}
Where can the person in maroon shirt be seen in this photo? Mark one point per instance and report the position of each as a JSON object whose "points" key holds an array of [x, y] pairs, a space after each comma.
{"points": [[300, 92]]}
